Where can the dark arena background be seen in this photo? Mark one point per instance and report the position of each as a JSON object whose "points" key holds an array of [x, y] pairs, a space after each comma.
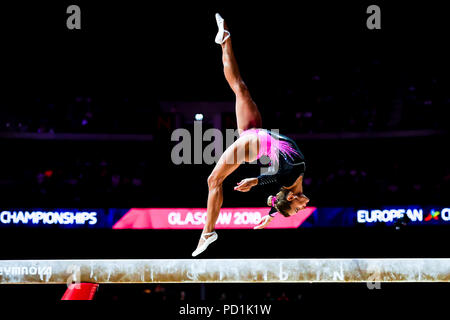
{"points": [[89, 191]]}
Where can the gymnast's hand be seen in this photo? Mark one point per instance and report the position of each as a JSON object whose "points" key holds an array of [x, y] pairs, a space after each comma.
{"points": [[264, 222], [246, 184]]}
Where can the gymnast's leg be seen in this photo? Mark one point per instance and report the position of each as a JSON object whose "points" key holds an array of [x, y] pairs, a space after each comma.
{"points": [[247, 113], [243, 149]]}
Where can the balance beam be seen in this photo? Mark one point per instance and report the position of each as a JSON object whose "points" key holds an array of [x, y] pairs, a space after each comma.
{"points": [[224, 270]]}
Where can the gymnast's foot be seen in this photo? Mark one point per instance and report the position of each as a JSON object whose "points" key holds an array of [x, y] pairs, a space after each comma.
{"points": [[205, 240], [222, 34]]}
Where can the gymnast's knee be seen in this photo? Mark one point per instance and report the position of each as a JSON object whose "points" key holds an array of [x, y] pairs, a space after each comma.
{"points": [[240, 89], [214, 181]]}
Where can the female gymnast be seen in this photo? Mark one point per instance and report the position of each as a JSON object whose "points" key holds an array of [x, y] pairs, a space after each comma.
{"points": [[287, 161]]}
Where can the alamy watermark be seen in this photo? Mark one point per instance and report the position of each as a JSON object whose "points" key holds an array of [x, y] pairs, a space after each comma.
{"points": [[190, 147], [374, 280]]}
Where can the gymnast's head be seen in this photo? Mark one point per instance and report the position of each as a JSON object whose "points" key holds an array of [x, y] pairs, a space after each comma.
{"points": [[288, 203]]}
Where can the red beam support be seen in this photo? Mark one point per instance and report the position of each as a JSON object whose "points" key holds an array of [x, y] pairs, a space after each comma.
{"points": [[80, 291]]}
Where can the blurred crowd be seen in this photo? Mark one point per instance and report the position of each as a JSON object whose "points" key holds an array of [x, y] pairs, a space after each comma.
{"points": [[180, 293], [119, 174], [364, 98], [80, 114], [339, 172]]}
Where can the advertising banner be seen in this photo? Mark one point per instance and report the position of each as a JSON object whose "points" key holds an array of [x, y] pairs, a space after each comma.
{"points": [[229, 218]]}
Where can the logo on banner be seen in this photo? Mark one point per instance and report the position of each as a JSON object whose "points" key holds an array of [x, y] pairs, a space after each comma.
{"points": [[391, 215], [433, 215], [195, 218], [56, 217]]}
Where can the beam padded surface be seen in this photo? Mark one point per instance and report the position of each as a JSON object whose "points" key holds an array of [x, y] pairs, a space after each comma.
{"points": [[224, 270]]}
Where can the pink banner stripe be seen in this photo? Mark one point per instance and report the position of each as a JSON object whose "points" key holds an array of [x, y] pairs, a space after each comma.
{"points": [[194, 218]]}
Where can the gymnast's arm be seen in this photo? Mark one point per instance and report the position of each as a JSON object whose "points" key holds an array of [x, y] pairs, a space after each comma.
{"points": [[246, 184], [264, 222]]}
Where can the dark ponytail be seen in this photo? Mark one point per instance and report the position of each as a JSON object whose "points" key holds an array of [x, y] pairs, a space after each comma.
{"points": [[280, 202]]}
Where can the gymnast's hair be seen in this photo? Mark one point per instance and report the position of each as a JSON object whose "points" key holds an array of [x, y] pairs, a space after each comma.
{"points": [[280, 202]]}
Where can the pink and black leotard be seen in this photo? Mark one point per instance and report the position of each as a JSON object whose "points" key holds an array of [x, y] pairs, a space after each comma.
{"points": [[287, 161]]}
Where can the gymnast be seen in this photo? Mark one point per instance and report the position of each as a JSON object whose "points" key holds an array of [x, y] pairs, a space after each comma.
{"points": [[287, 162]]}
